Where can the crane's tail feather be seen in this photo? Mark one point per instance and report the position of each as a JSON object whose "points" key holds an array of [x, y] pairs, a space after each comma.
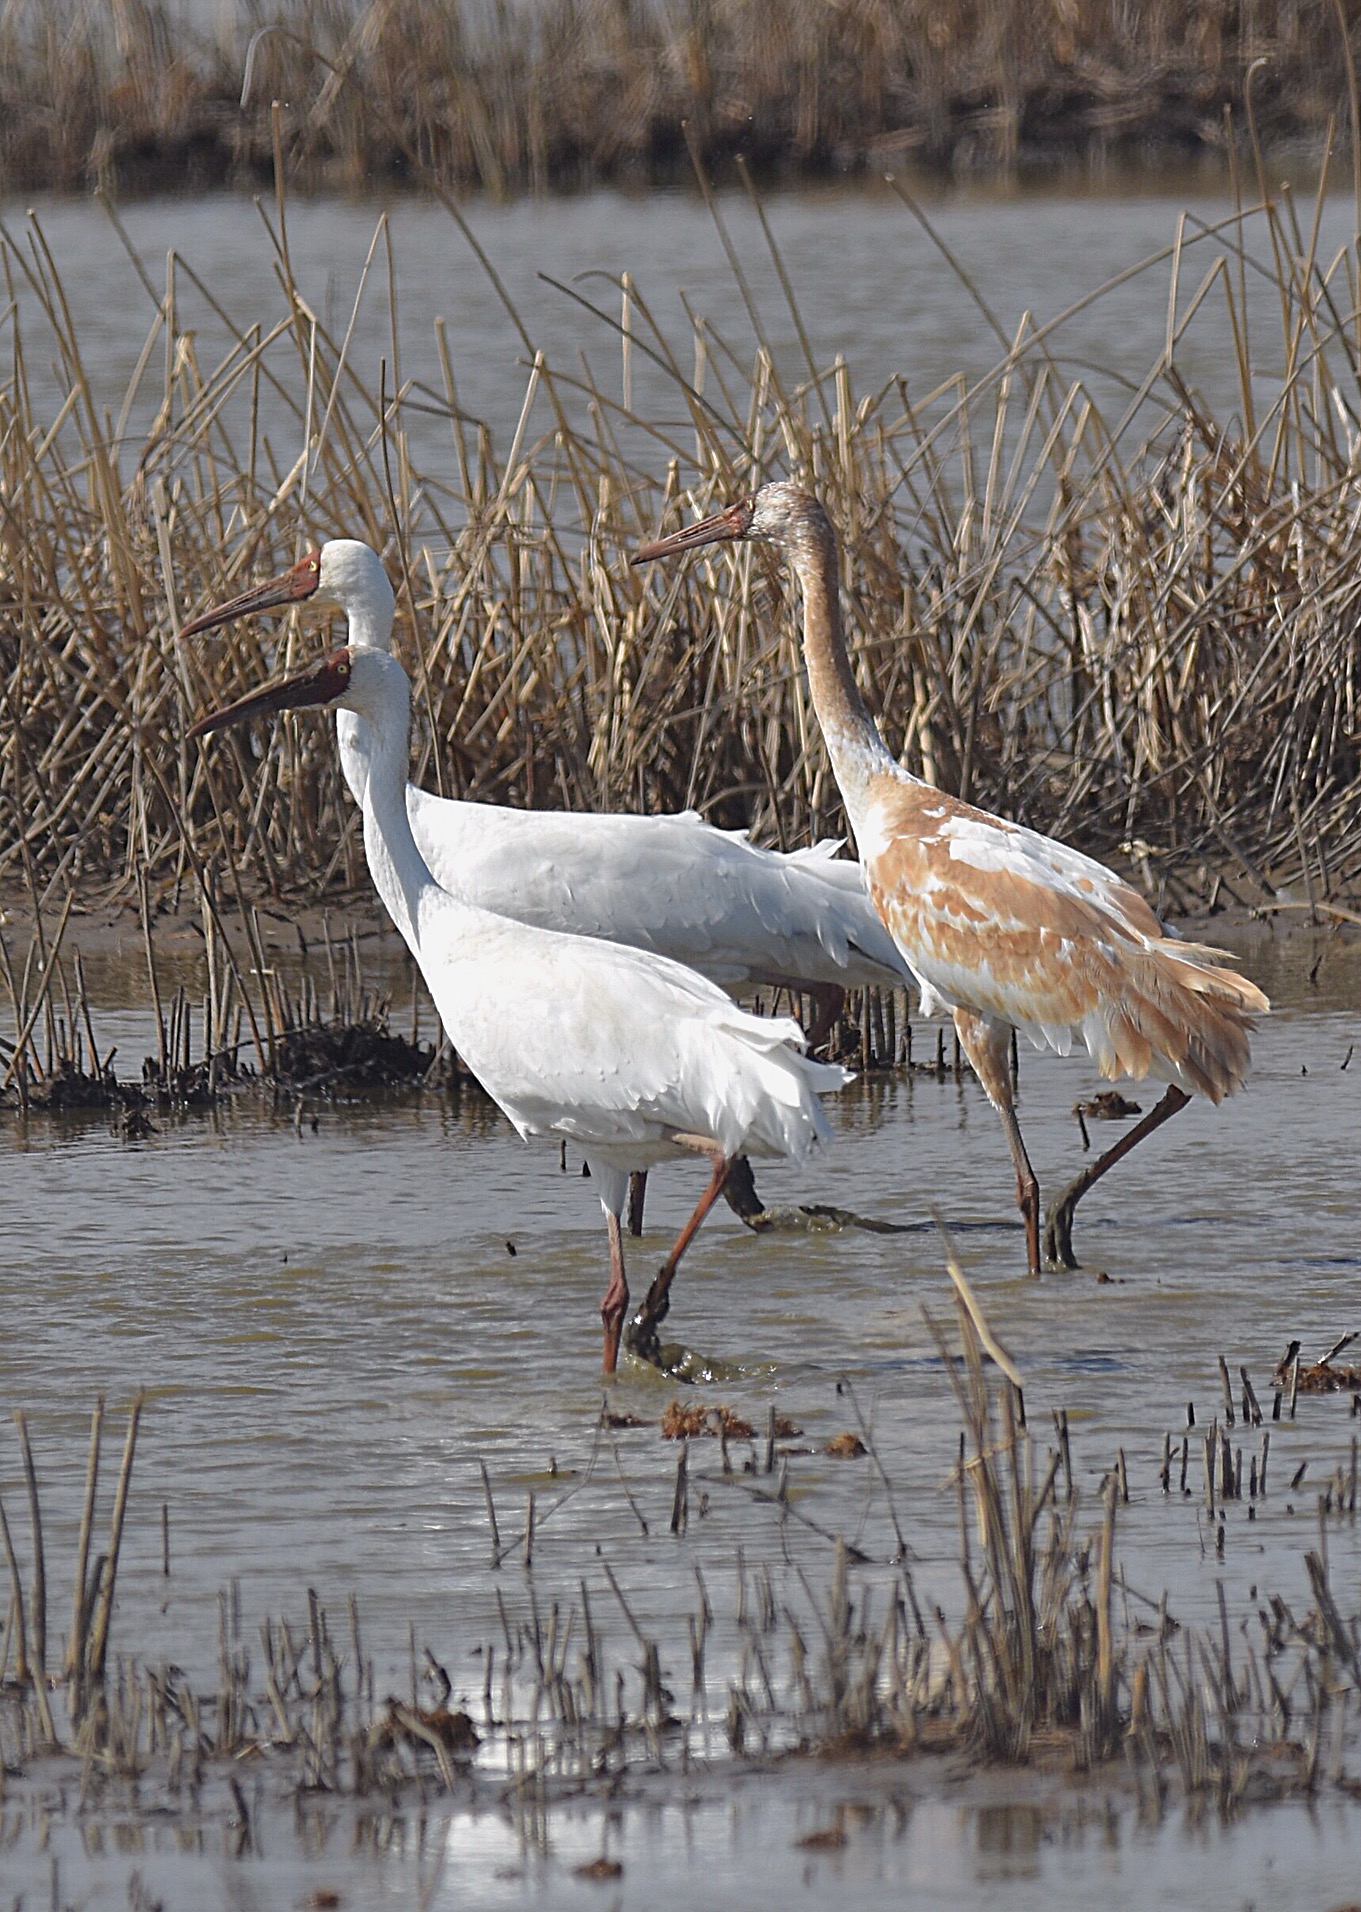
{"points": [[1180, 1017], [767, 1102]]}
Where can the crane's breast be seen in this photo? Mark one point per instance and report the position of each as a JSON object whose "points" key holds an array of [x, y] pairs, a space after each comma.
{"points": [[987, 923]]}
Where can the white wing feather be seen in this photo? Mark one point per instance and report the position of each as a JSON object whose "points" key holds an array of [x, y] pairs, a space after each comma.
{"points": [[670, 884]]}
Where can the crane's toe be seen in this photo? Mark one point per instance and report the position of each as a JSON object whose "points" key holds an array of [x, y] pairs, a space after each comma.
{"points": [[1058, 1228]]}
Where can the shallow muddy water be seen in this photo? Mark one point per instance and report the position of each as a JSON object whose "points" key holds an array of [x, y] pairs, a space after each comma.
{"points": [[712, 1848], [334, 1332]]}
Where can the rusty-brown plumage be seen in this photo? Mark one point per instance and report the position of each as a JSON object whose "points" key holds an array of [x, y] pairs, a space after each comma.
{"points": [[1006, 928]]}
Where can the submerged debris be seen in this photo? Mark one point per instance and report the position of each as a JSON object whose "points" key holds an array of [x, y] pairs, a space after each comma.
{"points": [[1316, 1377], [684, 1421], [299, 1045], [348, 1058], [1107, 1105], [416, 1726], [601, 1870]]}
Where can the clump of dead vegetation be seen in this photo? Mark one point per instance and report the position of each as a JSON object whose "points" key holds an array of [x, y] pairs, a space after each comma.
{"points": [[248, 1032], [1135, 628], [574, 92], [1327, 1375]]}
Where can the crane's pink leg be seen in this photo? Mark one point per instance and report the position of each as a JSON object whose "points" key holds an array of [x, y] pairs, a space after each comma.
{"points": [[642, 1337], [637, 1196], [988, 1047], [615, 1305], [1058, 1230]]}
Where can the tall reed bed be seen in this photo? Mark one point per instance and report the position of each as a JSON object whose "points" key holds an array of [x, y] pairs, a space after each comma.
{"points": [[1131, 623], [566, 92]]}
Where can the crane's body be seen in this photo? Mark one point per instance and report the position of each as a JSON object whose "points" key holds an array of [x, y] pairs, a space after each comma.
{"points": [[1017, 929], [614, 1049], [1004, 927], [629, 1054], [671, 884]]}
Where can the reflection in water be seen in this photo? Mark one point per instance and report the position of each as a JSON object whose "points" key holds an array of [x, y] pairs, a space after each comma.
{"points": [[1008, 1839], [1061, 1851]]}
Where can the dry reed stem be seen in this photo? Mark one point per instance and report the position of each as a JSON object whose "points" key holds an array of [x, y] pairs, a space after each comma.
{"points": [[81, 1599]]}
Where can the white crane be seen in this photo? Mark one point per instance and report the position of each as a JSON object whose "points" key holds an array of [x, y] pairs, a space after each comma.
{"points": [[1005, 927], [629, 1055], [741, 915]]}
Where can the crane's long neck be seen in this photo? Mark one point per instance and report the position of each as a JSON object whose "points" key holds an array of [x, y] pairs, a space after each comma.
{"points": [[399, 871], [354, 739], [854, 745], [370, 629]]}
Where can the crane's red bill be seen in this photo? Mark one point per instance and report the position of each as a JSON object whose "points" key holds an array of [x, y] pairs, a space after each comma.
{"points": [[320, 683], [732, 522], [292, 586]]}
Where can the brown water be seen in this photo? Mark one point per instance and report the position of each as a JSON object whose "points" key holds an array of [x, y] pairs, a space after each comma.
{"points": [[333, 1333]]}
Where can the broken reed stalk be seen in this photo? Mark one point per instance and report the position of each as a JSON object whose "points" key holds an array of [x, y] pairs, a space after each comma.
{"points": [[1116, 627], [98, 1642], [38, 1608], [16, 1600], [81, 1598]]}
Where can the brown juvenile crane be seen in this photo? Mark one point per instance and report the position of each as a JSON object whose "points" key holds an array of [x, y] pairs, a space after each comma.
{"points": [[1006, 928]]}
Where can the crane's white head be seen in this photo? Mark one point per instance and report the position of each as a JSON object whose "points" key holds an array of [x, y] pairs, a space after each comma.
{"points": [[343, 575], [781, 514], [369, 682]]}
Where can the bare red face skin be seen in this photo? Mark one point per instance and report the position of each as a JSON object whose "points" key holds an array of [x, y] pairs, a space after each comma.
{"points": [[292, 586], [321, 682], [724, 526]]}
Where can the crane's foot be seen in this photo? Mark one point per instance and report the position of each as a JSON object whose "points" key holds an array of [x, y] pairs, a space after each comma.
{"points": [[614, 1306], [1058, 1227], [1058, 1231], [612, 1312], [739, 1192], [641, 1337], [1028, 1201], [686, 1365]]}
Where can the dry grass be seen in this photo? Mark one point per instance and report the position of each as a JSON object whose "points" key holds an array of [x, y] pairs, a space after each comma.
{"points": [[568, 92], [1134, 630]]}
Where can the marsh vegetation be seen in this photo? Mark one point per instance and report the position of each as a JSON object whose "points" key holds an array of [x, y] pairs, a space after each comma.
{"points": [[1124, 620], [580, 92]]}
